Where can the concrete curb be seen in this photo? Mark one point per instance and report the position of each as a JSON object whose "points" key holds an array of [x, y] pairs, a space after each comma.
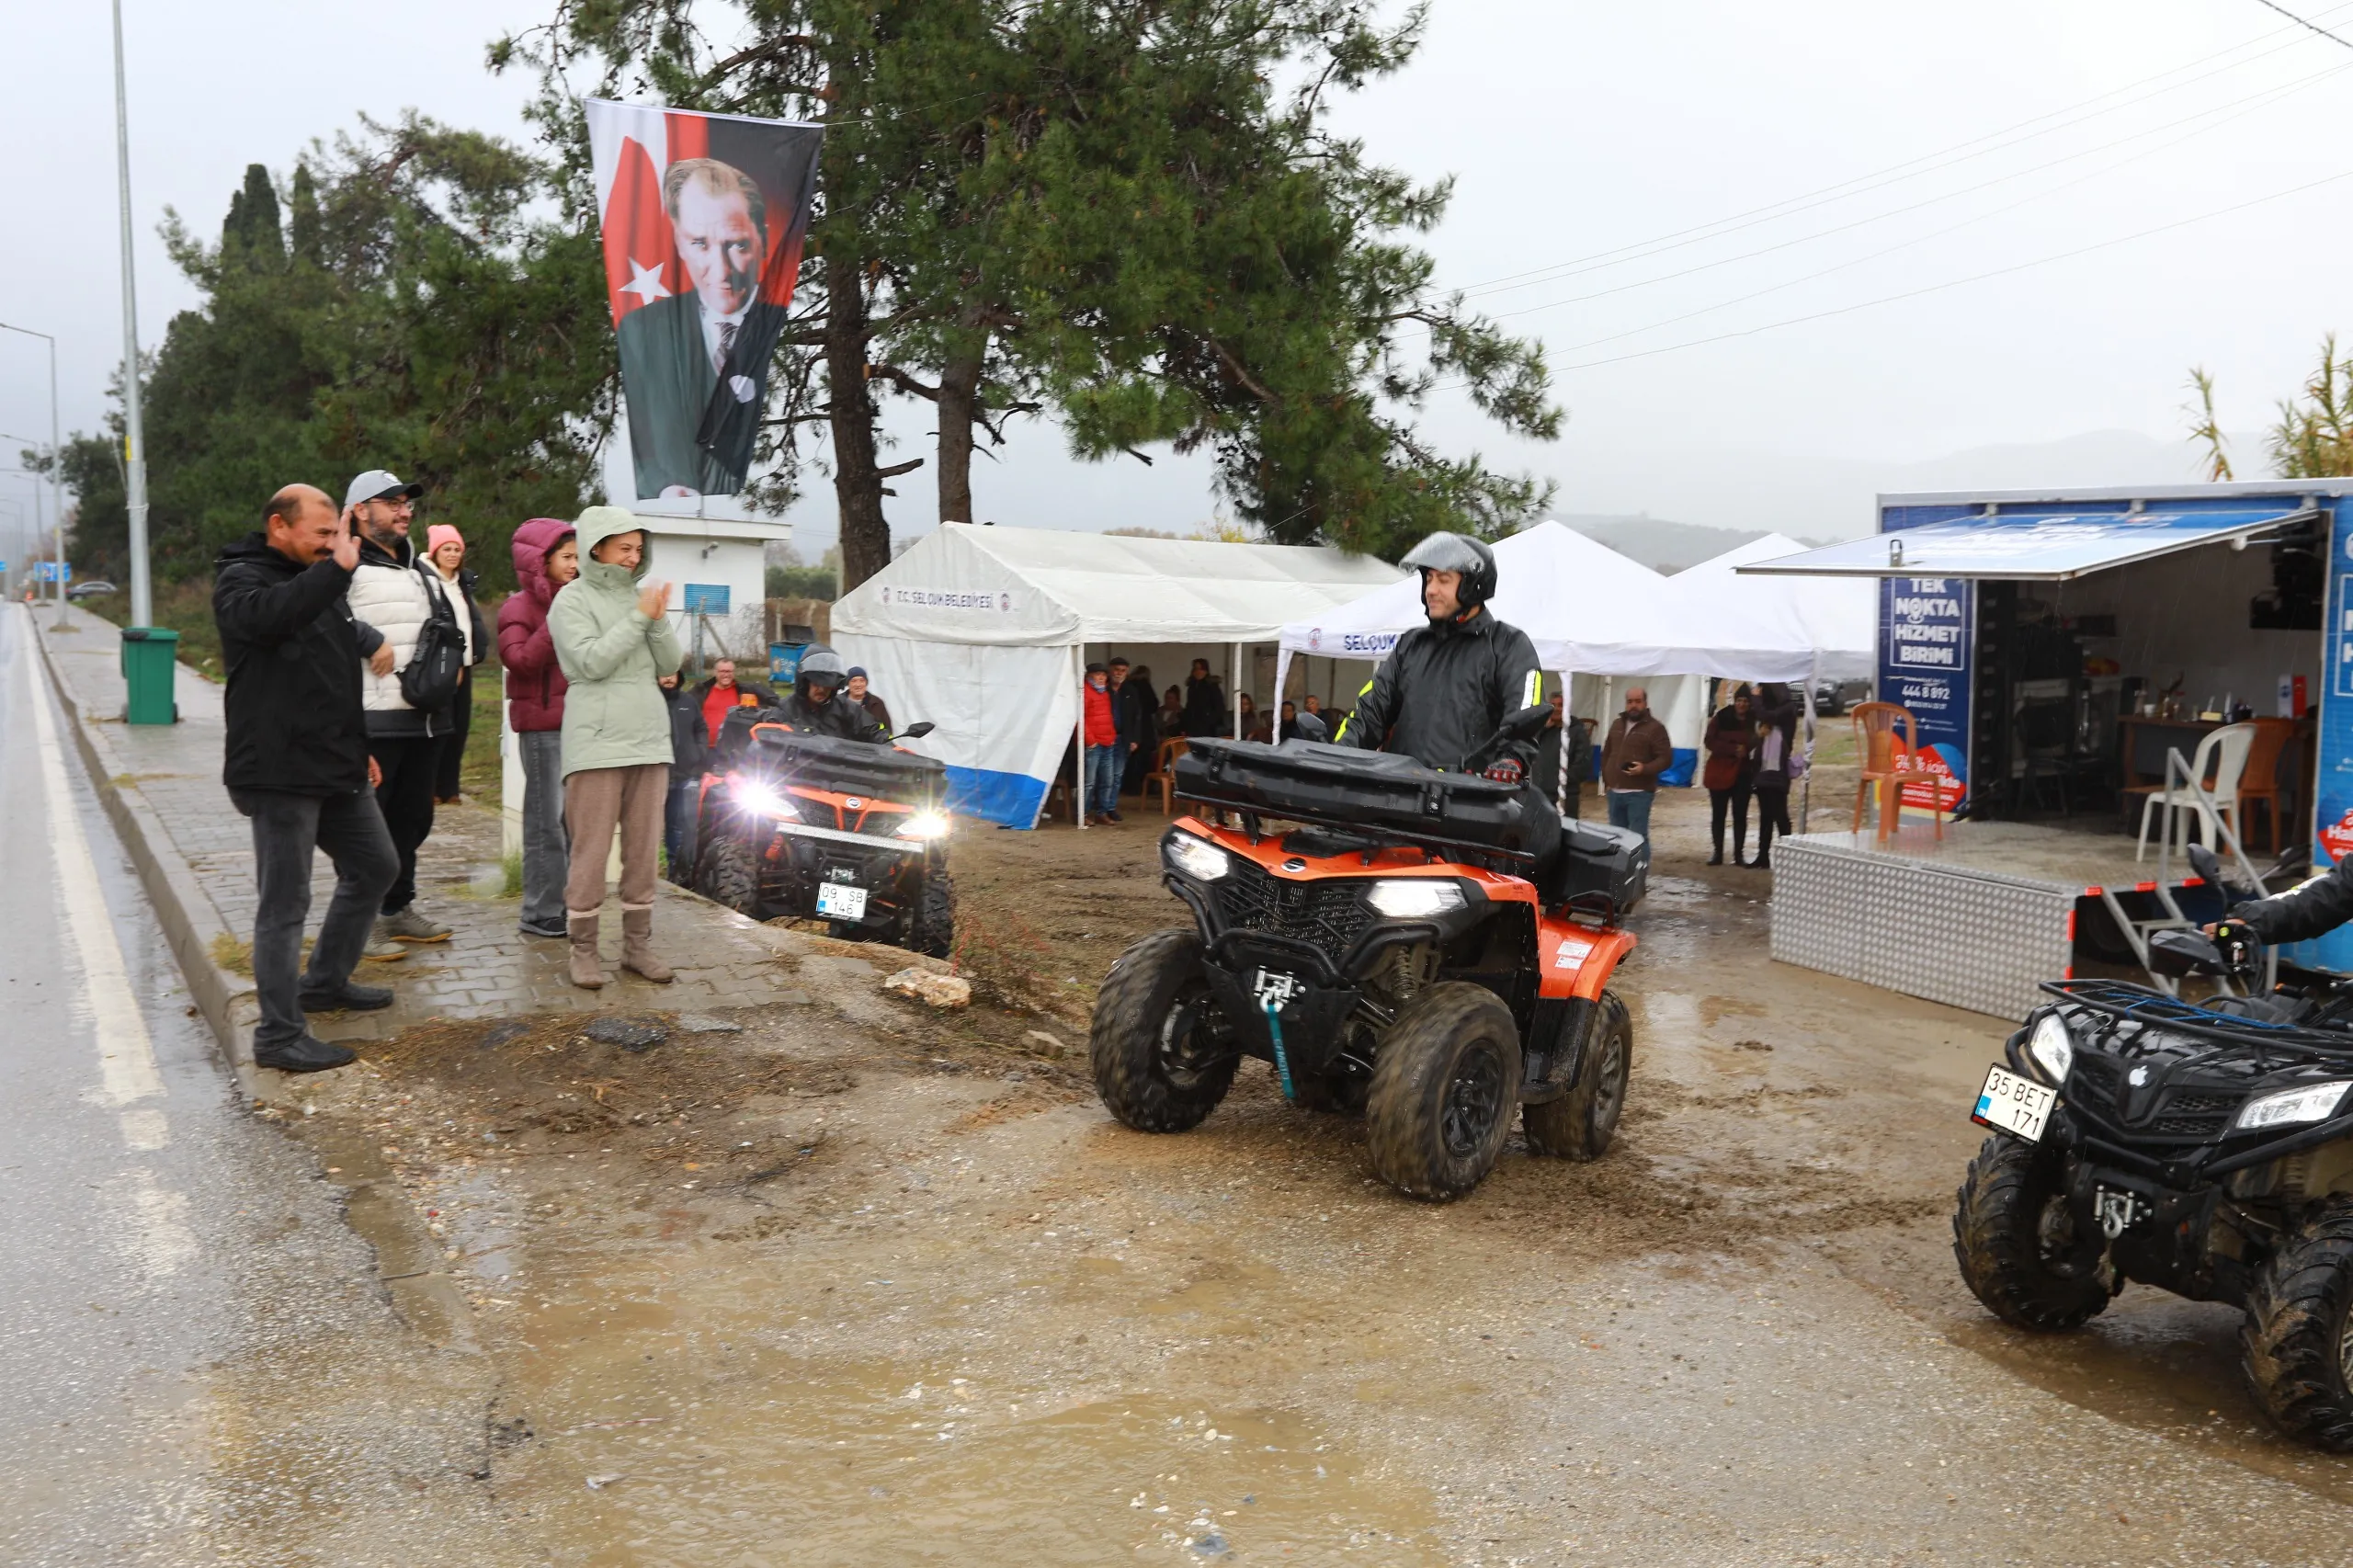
{"points": [[189, 922]]}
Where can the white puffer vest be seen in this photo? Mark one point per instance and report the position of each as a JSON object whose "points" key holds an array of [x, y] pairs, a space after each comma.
{"points": [[390, 594]]}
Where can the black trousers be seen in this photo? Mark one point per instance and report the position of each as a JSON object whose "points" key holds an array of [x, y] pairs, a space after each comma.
{"points": [[1734, 800], [1772, 812], [405, 797], [286, 830], [453, 744]]}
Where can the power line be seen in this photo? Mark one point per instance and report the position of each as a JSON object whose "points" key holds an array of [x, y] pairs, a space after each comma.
{"points": [[2308, 26], [2244, 107], [1949, 283], [1927, 163]]}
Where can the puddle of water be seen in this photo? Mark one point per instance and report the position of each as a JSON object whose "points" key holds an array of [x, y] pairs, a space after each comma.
{"points": [[876, 1463]]}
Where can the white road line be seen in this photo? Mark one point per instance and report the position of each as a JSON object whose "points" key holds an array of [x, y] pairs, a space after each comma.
{"points": [[126, 1055]]}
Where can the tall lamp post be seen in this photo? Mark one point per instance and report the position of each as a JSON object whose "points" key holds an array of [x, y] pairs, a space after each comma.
{"points": [[56, 453], [18, 508], [32, 547], [134, 455]]}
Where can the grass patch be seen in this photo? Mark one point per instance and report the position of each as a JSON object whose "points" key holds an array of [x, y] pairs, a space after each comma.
{"points": [[231, 954], [512, 865], [185, 608]]}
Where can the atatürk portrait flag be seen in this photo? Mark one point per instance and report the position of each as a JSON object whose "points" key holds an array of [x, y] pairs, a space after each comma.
{"points": [[703, 217]]}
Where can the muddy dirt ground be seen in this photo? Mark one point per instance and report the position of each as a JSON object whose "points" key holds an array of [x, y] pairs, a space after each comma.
{"points": [[852, 1282]]}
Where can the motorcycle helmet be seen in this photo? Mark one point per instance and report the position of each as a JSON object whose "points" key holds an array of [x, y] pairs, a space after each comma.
{"points": [[821, 671], [1460, 553]]}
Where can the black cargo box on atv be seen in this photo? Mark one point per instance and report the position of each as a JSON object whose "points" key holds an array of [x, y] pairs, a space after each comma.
{"points": [[1345, 788], [1311, 782], [826, 762], [1598, 859]]}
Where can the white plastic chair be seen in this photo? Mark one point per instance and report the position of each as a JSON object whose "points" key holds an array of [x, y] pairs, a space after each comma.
{"points": [[2222, 755]]}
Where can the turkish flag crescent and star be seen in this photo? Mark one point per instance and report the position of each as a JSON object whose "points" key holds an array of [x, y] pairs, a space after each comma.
{"points": [[700, 295]]}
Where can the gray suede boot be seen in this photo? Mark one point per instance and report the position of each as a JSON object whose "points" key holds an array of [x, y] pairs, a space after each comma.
{"points": [[636, 946], [582, 928]]}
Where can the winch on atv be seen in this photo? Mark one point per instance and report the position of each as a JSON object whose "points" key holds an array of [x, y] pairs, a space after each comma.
{"points": [[1381, 933]]}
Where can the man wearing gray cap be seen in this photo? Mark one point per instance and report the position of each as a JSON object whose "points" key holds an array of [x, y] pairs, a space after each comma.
{"points": [[390, 593]]}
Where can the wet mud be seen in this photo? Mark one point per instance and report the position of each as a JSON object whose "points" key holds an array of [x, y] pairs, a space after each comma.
{"points": [[862, 1283]]}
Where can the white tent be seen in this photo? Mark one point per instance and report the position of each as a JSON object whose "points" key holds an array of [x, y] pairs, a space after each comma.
{"points": [[983, 631], [1594, 613], [1835, 619]]}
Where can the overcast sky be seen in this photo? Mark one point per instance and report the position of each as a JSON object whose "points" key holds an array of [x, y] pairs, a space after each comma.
{"points": [[1786, 162]]}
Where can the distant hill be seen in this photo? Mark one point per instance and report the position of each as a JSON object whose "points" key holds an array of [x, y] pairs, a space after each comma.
{"points": [[1813, 497], [1661, 545]]}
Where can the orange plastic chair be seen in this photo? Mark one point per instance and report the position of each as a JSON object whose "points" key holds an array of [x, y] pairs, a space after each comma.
{"points": [[1169, 752], [2259, 781], [1875, 727]]}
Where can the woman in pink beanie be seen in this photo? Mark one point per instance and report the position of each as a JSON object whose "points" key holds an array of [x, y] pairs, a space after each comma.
{"points": [[445, 552]]}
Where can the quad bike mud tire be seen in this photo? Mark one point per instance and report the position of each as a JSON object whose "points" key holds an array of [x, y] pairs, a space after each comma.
{"points": [[2015, 1240], [1579, 1125], [2298, 1338], [934, 925], [1444, 1088], [1164, 1054], [728, 873]]}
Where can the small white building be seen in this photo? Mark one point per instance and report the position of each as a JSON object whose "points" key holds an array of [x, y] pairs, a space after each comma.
{"points": [[711, 561]]}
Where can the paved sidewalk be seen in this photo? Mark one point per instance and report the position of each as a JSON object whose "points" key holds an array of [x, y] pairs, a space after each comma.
{"points": [[194, 853]]}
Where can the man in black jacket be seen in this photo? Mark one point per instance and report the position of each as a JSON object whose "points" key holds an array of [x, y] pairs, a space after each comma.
{"points": [[2314, 907], [690, 744], [297, 763], [1445, 686], [817, 705]]}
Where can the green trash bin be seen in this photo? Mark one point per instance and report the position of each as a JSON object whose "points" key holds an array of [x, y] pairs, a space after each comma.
{"points": [[149, 655]]}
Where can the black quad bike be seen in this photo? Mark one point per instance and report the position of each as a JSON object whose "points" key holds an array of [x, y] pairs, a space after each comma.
{"points": [[816, 827], [2204, 1148], [1378, 931]]}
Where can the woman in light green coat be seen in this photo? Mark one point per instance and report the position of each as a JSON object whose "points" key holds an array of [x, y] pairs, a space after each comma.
{"points": [[614, 641]]}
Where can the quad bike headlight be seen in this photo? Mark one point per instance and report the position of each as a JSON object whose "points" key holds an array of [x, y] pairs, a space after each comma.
{"points": [[1405, 898], [926, 825], [2312, 1102], [765, 801], [2051, 1047], [1205, 862]]}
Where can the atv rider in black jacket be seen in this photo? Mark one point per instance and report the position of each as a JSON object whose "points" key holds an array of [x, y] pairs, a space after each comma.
{"points": [[2312, 908], [1445, 687], [816, 706]]}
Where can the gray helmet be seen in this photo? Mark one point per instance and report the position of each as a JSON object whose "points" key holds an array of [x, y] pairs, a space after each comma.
{"points": [[820, 667], [1457, 553]]}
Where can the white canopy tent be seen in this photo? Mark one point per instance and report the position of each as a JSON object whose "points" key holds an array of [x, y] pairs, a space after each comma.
{"points": [[983, 631], [1835, 619], [1594, 613], [1591, 611]]}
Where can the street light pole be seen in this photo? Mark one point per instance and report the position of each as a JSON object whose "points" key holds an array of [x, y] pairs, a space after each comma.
{"points": [[33, 549], [134, 455], [56, 461]]}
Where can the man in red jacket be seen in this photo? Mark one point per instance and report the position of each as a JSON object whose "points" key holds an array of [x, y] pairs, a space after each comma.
{"points": [[546, 558], [1106, 757]]}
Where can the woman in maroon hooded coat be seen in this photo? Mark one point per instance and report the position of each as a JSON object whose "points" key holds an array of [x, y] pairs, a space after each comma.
{"points": [[546, 558]]}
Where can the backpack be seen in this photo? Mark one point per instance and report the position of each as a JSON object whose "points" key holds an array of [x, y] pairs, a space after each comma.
{"points": [[430, 679]]}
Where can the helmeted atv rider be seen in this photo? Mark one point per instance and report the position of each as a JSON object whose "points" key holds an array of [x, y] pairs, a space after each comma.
{"points": [[816, 706], [1445, 687]]}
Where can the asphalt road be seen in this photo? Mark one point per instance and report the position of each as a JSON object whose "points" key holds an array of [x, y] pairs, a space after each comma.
{"points": [[197, 1362]]}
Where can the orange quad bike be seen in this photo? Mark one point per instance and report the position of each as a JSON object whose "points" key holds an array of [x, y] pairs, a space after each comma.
{"points": [[1381, 934], [816, 827]]}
